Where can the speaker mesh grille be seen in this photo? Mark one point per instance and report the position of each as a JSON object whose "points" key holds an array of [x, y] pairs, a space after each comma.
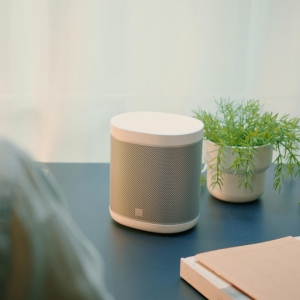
{"points": [[161, 182]]}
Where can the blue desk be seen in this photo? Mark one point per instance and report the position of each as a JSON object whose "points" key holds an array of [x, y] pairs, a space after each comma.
{"points": [[145, 266]]}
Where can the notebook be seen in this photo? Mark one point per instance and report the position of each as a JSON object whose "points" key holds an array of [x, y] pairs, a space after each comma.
{"points": [[268, 270]]}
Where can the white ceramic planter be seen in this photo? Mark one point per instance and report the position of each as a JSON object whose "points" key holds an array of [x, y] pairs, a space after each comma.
{"points": [[229, 190]]}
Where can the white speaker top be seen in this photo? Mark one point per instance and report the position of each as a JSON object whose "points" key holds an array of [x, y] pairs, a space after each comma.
{"points": [[156, 129]]}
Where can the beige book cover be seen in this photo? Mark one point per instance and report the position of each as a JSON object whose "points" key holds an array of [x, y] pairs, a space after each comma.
{"points": [[268, 270]]}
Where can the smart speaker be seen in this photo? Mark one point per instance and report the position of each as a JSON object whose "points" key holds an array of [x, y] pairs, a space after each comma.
{"points": [[155, 170]]}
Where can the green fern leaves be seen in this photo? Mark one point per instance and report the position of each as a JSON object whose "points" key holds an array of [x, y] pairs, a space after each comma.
{"points": [[244, 126]]}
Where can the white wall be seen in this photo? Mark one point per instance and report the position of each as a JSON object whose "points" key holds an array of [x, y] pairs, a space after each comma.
{"points": [[67, 67]]}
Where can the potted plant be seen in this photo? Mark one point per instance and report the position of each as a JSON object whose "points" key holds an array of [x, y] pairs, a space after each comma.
{"points": [[238, 146]]}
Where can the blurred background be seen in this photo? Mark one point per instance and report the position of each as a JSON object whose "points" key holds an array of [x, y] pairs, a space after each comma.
{"points": [[68, 66]]}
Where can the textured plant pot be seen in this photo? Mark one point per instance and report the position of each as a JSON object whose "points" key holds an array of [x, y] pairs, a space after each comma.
{"points": [[229, 190]]}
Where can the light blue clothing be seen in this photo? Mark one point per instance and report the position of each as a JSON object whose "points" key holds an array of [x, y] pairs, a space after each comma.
{"points": [[60, 252]]}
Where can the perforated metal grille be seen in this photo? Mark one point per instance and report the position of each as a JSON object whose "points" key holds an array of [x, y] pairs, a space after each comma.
{"points": [[161, 182]]}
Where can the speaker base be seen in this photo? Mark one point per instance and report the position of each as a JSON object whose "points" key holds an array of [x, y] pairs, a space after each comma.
{"points": [[152, 227]]}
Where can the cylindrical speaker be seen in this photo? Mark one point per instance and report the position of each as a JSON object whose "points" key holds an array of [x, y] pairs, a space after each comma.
{"points": [[155, 170]]}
